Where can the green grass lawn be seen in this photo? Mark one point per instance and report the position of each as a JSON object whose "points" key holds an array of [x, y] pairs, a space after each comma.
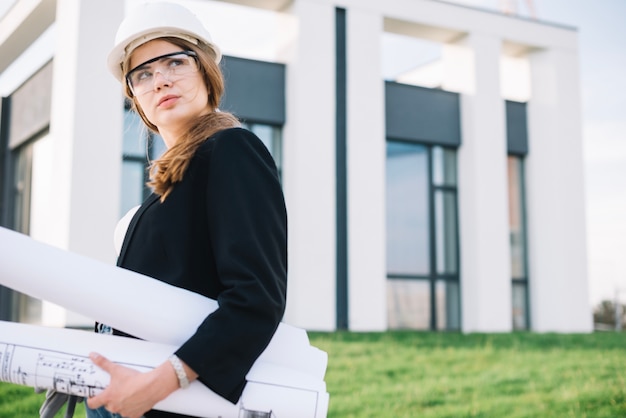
{"points": [[409, 374], [452, 375]]}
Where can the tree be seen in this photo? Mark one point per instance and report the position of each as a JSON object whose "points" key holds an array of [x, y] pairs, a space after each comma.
{"points": [[604, 313]]}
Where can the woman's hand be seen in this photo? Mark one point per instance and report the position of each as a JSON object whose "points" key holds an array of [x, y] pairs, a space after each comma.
{"points": [[131, 393]]}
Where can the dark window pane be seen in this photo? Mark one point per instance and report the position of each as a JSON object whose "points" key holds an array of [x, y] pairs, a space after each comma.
{"points": [[29, 309], [271, 137], [30, 203], [408, 304], [140, 147], [408, 248], [520, 313], [22, 188], [516, 218], [42, 188], [448, 305], [445, 232], [265, 134], [157, 147], [132, 184], [135, 135], [444, 167]]}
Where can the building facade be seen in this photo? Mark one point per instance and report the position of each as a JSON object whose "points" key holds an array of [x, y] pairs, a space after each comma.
{"points": [[447, 196]]}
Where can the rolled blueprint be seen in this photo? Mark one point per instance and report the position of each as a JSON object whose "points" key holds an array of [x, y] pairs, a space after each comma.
{"points": [[132, 302], [56, 358]]}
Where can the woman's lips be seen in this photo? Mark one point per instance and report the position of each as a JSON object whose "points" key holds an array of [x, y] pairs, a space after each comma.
{"points": [[167, 100]]}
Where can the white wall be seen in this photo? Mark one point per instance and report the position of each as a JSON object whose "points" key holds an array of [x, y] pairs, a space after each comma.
{"points": [[559, 295], [309, 168], [366, 172], [85, 127], [483, 199]]}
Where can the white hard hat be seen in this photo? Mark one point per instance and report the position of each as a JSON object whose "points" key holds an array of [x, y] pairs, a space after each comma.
{"points": [[156, 20]]}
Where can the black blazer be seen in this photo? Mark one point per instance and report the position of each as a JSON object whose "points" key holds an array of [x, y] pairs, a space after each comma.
{"points": [[222, 232]]}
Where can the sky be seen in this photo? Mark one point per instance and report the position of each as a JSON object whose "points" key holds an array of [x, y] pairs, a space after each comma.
{"points": [[602, 41]]}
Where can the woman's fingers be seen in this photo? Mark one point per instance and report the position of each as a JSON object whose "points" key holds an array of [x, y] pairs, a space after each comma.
{"points": [[102, 362], [105, 364]]}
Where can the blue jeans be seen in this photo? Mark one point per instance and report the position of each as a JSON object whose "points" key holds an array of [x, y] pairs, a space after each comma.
{"points": [[100, 413]]}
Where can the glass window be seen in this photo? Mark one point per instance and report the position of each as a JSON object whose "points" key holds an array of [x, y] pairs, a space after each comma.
{"points": [[423, 289], [270, 136], [23, 158], [133, 184], [517, 235], [408, 248], [42, 190], [135, 135], [156, 146], [519, 306], [139, 147], [448, 305], [445, 231], [516, 218], [31, 197], [444, 166], [408, 304]]}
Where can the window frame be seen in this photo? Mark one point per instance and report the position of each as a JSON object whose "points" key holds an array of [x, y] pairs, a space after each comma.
{"points": [[434, 277]]}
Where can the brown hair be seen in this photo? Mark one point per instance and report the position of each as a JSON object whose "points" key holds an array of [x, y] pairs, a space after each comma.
{"points": [[171, 166]]}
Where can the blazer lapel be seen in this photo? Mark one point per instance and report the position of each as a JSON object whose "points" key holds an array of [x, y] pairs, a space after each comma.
{"points": [[133, 223]]}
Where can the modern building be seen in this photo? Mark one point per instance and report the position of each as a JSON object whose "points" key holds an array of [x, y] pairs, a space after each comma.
{"points": [[443, 195]]}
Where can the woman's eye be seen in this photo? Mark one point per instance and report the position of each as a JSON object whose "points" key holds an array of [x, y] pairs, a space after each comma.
{"points": [[176, 62], [143, 75]]}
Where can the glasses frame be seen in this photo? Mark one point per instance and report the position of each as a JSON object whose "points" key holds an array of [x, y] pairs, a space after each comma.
{"points": [[191, 54]]}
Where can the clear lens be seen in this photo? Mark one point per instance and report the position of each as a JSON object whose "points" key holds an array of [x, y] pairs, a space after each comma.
{"points": [[171, 66]]}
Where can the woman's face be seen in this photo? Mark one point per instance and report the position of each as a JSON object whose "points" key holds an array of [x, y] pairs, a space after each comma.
{"points": [[170, 94]]}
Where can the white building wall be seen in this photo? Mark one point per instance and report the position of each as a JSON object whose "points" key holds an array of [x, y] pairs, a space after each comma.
{"points": [[85, 128], [483, 196], [559, 295], [365, 172], [309, 168], [22, 24]]}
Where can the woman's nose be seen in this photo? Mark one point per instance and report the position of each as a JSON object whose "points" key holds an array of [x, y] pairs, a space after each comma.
{"points": [[160, 80]]}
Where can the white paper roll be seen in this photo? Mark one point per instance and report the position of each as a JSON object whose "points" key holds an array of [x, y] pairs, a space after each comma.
{"points": [[124, 299], [55, 358]]}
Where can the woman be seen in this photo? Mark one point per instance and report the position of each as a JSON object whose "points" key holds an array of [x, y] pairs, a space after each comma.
{"points": [[216, 222]]}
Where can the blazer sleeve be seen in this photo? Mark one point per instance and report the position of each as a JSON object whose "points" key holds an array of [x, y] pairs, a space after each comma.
{"points": [[248, 232]]}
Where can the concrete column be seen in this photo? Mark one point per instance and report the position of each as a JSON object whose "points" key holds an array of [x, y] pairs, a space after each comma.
{"points": [[555, 196], [309, 167], [86, 129], [483, 198], [366, 172]]}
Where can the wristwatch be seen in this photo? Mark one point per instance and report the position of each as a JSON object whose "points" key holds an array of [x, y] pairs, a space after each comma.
{"points": [[183, 382]]}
